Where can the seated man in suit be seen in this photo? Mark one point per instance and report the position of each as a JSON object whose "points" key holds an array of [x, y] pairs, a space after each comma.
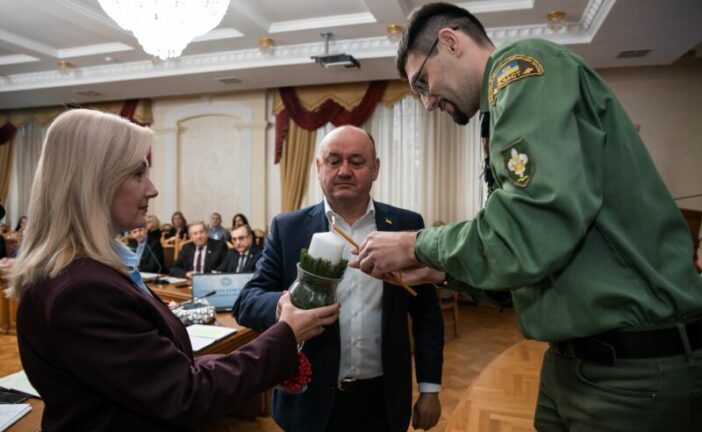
{"points": [[244, 256], [361, 367], [201, 255]]}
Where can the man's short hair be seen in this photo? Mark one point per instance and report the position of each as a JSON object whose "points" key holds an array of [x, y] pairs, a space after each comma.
{"points": [[249, 231], [194, 224], [424, 27]]}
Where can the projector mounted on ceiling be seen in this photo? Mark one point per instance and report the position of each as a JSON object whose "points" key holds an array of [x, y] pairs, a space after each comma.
{"points": [[331, 60]]}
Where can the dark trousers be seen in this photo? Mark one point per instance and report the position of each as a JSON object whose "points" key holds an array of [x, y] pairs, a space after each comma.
{"points": [[359, 410], [660, 394]]}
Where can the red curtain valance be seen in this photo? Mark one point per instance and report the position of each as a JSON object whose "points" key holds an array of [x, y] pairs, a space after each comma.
{"points": [[329, 111], [129, 108]]}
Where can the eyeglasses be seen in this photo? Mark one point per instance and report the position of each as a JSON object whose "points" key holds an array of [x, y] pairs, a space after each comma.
{"points": [[422, 87]]}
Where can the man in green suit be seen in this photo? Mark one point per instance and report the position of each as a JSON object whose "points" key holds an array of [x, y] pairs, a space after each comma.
{"points": [[579, 226]]}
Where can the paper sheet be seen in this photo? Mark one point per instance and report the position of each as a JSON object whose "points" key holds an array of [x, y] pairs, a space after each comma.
{"points": [[10, 413], [204, 335], [18, 381]]}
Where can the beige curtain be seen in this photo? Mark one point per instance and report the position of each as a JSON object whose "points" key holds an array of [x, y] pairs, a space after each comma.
{"points": [[6, 170], [346, 95], [298, 153]]}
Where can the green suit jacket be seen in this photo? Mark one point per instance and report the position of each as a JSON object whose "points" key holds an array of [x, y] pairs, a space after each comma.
{"points": [[581, 227]]}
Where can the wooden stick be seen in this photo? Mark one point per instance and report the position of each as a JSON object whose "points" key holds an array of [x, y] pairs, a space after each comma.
{"points": [[397, 278]]}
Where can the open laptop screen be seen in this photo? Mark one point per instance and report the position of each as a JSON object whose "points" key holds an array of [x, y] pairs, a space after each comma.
{"points": [[226, 288]]}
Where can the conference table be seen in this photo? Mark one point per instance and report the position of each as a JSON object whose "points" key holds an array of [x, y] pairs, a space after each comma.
{"points": [[256, 406]]}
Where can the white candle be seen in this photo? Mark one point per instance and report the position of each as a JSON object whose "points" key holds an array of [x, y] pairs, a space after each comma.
{"points": [[328, 246]]}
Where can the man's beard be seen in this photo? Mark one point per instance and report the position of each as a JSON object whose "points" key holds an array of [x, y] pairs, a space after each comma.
{"points": [[459, 116]]}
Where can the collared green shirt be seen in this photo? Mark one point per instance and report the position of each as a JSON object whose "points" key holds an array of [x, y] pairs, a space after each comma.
{"points": [[581, 227]]}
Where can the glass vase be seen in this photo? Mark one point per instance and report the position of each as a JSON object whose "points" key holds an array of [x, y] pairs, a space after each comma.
{"points": [[310, 291]]}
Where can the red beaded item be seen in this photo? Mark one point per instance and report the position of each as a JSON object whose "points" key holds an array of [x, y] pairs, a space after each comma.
{"points": [[304, 375]]}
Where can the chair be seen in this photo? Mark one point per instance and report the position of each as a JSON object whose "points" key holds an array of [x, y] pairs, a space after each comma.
{"points": [[11, 244], [448, 300], [169, 255], [259, 237], [180, 244]]}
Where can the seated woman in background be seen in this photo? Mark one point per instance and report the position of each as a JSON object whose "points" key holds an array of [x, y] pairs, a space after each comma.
{"points": [[148, 248], [21, 224], [103, 351], [238, 220], [180, 226]]}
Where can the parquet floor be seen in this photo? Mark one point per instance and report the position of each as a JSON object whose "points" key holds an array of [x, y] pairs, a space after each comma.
{"points": [[484, 333], [504, 395]]}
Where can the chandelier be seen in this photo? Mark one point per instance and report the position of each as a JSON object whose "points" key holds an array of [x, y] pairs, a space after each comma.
{"points": [[165, 27]]}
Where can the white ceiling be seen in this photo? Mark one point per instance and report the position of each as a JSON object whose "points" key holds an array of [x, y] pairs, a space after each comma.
{"points": [[35, 34]]}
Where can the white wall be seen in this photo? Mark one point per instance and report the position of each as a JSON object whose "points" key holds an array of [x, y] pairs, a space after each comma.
{"points": [[211, 156], [666, 102]]}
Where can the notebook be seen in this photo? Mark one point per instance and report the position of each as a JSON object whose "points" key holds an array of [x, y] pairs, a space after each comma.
{"points": [[10, 413], [202, 336], [220, 290], [18, 382]]}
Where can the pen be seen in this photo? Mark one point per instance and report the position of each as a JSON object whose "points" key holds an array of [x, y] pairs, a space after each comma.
{"points": [[211, 293]]}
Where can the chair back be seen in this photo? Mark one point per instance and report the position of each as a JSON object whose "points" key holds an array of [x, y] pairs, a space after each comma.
{"points": [[169, 255], [448, 300], [180, 244], [259, 237]]}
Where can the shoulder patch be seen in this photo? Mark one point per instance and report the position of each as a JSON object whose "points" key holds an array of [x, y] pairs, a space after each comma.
{"points": [[519, 164], [511, 69]]}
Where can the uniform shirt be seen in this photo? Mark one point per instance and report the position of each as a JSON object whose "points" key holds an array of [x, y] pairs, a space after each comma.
{"points": [[360, 318], [581, 226]]}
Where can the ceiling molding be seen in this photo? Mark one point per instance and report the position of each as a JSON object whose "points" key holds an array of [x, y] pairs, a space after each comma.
{"points": [[97, 15], [581, 32], [89, 50], [594, 15], [16, 59], [486, 6], [322, 22], [252, 19], [392, 11], [366, 48], [219, 34], [27, 44], [285, 55]]}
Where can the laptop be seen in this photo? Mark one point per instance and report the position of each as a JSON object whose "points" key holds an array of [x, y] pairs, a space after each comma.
{"points": [[221, 290]]}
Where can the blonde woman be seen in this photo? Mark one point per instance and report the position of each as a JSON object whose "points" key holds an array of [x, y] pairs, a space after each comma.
{"points": [[105, 353]]}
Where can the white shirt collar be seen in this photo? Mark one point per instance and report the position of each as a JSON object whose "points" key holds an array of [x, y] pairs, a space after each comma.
{"points": [[370, 210]]}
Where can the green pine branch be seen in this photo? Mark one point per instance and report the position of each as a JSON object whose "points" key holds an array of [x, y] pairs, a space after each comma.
{"points": [[322, 267]]}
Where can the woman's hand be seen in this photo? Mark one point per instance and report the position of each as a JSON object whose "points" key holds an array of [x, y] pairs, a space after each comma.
{"points": [[306, 324]]}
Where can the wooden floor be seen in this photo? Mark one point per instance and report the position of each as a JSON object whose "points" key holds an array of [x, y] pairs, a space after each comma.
{"points": [[504, 395], [484, 333]]}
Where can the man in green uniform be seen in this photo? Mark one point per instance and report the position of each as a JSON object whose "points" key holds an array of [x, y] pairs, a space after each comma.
{"points": [[580, 228]]}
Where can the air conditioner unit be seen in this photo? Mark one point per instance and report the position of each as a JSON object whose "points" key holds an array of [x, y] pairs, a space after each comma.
{"points": [[332, 60]]}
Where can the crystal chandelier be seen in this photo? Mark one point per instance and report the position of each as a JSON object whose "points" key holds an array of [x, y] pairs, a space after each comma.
{"points": [[165, 27]]}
